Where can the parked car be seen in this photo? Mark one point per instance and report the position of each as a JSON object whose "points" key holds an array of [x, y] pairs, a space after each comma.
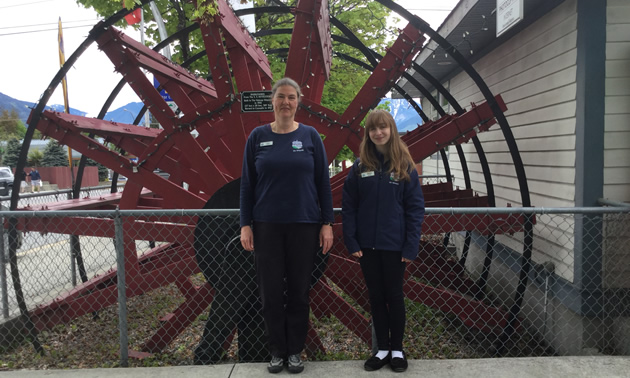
{"points": [[6, 181]]}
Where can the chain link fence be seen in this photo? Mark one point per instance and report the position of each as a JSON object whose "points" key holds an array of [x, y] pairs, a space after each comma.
{"points": [[175, 287], [27, 200]]}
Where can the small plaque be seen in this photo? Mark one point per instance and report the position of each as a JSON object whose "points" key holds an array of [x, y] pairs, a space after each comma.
{"points": [[256, 101]]}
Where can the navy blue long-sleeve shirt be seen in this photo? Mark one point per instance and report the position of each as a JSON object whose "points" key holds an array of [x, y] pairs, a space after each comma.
{"points": [[382, 212], [285, 178]]}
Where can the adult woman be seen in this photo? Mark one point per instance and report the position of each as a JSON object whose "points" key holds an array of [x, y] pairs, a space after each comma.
{"points": [[286, 208], [383, 209]]}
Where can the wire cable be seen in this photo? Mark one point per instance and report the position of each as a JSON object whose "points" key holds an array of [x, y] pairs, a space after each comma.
{"points": [[44, 30]]}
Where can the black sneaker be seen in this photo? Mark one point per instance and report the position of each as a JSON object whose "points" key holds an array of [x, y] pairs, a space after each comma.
{"points": [[275, 365], [399, 364], [295, 364], [375, 363]]}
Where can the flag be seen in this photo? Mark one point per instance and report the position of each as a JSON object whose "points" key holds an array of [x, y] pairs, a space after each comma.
{"points": [[64, 84], [133, 17], [62, 61]]}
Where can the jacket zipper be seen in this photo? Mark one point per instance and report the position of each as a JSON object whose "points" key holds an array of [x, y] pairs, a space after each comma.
{"points": [[378, 197]]}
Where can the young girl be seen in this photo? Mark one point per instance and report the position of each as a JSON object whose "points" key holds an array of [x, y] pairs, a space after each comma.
{"points": [[383, 209]]}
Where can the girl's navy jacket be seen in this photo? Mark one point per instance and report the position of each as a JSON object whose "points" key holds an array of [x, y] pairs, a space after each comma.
{"points": [[382, 212]]}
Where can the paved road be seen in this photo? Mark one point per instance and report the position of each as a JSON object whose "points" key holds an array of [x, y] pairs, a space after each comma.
{"points": [[45, 266]]}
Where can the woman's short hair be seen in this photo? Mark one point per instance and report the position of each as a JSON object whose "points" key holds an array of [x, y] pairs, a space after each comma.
{"points": [[284, 82]]}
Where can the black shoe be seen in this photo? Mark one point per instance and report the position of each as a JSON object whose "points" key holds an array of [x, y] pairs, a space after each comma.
{"points": [[375, 363], [275, 365], [399, 364], [296, 365]]}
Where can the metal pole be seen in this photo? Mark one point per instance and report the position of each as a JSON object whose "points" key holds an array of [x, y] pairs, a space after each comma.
{"points": [[608, 202], [73, 265], [161, 28], [147, 121], [3, 272], [122, 293]]}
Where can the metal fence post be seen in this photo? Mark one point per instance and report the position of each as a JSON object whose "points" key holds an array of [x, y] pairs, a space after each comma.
{"points": [[3, 272], [122, 294], [73, 265]]}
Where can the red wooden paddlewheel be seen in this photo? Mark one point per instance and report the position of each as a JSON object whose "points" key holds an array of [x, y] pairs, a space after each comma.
{"points": [[203, 147]]}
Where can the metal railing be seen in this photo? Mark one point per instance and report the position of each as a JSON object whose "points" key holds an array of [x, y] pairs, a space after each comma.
{"points": [[49, 196]]}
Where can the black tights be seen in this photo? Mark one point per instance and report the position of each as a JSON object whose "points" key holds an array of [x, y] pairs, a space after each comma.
{"points": [[384, 272]]}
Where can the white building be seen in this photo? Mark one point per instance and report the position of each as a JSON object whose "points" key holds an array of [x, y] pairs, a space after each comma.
{"points": [[564, 73]]}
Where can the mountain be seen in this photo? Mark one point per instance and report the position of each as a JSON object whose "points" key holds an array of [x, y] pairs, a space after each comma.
{"points": [[404, 114], [124, 114], [23, 108]]}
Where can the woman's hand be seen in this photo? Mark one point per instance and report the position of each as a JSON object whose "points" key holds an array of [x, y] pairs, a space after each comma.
{"points": [[247, 238], [326, 238], [405, 260], [358, 254]]}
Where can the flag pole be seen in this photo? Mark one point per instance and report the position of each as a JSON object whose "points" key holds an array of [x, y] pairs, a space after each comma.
{"points": [[64, 84]]}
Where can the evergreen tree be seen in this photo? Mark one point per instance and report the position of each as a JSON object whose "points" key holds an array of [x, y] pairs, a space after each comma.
{"points": [[103, 172], [12, 153], [55, 155], [37, 134], [35, 158]]}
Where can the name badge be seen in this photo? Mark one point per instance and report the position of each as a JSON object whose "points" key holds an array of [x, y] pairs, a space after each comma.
{"points": [[265, 144], [367, 174]]}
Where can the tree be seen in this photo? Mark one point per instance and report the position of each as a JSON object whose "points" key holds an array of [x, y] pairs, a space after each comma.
{"points": [[37, 134], [364, 18], [54, 155], [103, 172], [35, 158], [11, 126], [12, 153], [177, 15]]}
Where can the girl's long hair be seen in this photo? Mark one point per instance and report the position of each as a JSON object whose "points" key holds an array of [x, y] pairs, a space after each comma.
{"points": [[400, 160]]}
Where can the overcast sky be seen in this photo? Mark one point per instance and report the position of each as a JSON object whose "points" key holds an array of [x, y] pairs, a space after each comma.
{"points": [[28, 36]]}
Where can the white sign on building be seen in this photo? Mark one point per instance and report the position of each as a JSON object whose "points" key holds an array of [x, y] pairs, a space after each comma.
{"points": [[509, 12]]}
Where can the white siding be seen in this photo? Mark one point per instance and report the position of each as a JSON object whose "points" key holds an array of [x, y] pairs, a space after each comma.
{"points": [[616, 255], [535, 73], [617, 106]]}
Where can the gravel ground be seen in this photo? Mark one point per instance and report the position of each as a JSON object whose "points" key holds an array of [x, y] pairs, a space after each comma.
{"points": [[92, 343]]}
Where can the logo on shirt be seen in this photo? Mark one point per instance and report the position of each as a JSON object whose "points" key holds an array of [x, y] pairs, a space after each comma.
{"points": [[394, 178], [297, 146]]}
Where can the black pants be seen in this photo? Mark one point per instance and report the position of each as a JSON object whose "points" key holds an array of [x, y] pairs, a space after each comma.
{"points": [[285, 251], [384, 272]]}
